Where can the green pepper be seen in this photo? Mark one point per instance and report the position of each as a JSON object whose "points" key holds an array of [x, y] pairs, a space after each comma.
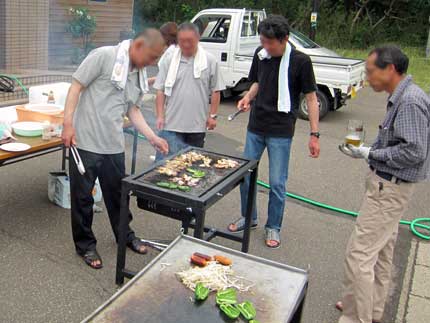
{"points": [[173, 186], [196, 173], [231, 311], [254, 321], [227, 296], [184, 188], [163, 184], [201, 292], [247, 310]]}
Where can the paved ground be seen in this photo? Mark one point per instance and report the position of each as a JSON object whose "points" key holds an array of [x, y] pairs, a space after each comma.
{"points": [[42, 280]]}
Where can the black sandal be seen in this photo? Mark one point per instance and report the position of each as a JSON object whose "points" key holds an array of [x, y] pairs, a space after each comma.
{"points": [[92, 256], [136, 245]]}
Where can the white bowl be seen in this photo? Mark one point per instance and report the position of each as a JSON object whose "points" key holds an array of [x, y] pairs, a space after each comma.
{"points": [[50, 109], [28, 129]]}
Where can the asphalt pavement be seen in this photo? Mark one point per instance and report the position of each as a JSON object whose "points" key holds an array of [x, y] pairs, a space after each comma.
{"points": [[43, 280]]}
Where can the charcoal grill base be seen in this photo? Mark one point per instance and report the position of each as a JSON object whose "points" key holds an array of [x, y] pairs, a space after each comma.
{"points": [[185, 207]]}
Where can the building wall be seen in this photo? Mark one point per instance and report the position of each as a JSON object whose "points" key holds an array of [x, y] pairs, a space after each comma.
{"points": [[112, 17], [2, 33], [24, 27]]}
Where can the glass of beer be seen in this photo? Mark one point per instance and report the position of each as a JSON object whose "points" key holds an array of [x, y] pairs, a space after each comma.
{"points": [[355, 133]]}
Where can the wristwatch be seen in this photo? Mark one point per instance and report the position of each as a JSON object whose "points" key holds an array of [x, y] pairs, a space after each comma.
{"points": [[316, 134], [213, 116]]}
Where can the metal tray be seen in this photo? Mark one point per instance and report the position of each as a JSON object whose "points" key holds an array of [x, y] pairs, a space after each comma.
{"points": [[155, 295], [212, 178]]}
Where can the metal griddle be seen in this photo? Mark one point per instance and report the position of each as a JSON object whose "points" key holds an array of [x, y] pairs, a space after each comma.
{"points": [[188, 207], [213, 175], [157, 296]]}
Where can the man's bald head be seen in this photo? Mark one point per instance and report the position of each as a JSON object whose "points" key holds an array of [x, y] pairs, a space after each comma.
{"points": [[146, 48]]}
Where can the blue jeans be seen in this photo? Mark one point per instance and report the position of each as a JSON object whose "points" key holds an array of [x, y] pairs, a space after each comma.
{"points": [[179, 140], [278, 149]]}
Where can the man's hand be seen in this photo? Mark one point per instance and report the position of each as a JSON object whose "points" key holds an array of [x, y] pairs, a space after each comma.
{"points": [[160, 123], [314, 147], [355, 152], [68, 136], [211, 123], [160, 144], [244, 104]]}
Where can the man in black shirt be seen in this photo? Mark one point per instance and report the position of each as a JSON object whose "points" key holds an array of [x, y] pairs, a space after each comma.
{"points": [[280, 74]]}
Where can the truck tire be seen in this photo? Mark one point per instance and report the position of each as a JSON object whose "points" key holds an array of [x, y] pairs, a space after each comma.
{"points": [[323, 102]]}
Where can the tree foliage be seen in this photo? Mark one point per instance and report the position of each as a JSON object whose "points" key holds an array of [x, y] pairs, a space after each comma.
{"points": [[347, 23]]}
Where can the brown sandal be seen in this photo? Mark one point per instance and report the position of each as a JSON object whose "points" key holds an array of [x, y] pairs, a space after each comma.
{"points": [[92, 256], [136, 245]]}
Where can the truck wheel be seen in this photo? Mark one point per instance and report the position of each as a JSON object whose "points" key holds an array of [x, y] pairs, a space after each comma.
{"points": [[323, 103]]}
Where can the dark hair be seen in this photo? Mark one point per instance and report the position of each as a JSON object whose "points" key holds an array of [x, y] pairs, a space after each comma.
{"points": [[152, 36], [387, 55], [169, 31], [189, 26], [274, 27]]}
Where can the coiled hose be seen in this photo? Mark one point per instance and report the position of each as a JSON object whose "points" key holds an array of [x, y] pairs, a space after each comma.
{"points": [[22, 86], [414, 224]]}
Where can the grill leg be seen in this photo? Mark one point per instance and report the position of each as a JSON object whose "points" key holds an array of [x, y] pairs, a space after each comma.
{"points": [[133, 160], [199, 228], [249, 208], [122, 236]]}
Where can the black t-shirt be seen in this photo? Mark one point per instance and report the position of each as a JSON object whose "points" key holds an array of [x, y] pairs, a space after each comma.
{"points": [[265, 119]]}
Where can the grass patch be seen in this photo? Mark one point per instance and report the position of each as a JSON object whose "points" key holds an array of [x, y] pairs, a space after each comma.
{"points": [[419, 65]]}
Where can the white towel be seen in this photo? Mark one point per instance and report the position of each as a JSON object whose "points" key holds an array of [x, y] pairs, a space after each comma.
{"points": [[200, 64], [121, 68], [284, 101]]}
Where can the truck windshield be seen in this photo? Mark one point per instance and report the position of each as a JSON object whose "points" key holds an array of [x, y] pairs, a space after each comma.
{"points": [[301, 39]]}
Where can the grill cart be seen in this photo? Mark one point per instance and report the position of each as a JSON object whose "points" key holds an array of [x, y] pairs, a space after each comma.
{"points": [[189, 206]]}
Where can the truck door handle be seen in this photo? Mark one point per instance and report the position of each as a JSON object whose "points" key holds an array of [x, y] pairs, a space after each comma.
{"points": [[223, 57]]}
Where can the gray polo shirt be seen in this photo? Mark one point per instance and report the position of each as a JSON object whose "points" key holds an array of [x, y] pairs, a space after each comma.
{"points": [[187, 109], [99, 116]]}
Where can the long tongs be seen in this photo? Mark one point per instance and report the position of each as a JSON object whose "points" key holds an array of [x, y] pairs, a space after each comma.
{"points": [[77, 159]]}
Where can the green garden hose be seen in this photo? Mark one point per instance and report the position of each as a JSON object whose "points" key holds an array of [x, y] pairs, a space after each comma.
{"points": [[17, 81], [414, 225]]}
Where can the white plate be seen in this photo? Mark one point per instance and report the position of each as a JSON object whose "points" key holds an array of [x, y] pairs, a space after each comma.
{"points": [[15, 147]]}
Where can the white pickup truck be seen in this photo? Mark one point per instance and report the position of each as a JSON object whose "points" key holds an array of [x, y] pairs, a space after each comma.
{"points": [[231, 35]]}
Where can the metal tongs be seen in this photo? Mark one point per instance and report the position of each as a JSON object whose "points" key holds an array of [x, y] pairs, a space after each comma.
{"points": [[77, 159], [233, 116]]}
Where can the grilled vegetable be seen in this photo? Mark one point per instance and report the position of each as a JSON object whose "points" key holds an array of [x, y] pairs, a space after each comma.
{"points": [[230, 310], [173, 186], [201, 262], [254, 321], [163, 184], [227, 296], [247, 310], [205, 257], [201, 292], [223, 260], [196, 173], [184, 188]]}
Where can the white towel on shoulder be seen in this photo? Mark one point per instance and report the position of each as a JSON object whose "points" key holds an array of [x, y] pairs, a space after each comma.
{"points": [[284, 99], [200, 64], [121, 69]]}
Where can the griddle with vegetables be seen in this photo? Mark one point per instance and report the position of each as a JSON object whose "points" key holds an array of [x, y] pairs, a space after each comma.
{"points": [[183, 187], [270, 292]]}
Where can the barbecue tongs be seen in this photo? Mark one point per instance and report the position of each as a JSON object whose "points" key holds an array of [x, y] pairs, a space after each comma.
{"points": [[77, 159]]}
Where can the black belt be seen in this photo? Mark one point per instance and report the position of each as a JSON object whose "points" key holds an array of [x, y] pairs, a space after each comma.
{"points": [[387, 176]]}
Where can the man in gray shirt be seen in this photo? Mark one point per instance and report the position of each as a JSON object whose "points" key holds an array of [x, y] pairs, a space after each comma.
{"points": [[183, 111], [93, 122], [399, 158]]}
